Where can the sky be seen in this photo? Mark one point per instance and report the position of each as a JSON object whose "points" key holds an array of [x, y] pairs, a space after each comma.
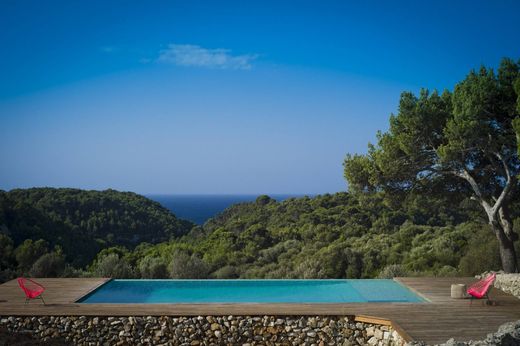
{"points": [[222, 97]]}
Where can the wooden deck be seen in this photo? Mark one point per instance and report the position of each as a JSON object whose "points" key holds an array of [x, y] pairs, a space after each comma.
{"points": [[435, 321]]}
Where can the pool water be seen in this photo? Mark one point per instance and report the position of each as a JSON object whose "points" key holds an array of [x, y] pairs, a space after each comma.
{"points": [[251, 291]]}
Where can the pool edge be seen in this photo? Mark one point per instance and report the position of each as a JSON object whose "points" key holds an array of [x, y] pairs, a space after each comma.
{"points": [[77, 300], [421, 298], [413, 290]]}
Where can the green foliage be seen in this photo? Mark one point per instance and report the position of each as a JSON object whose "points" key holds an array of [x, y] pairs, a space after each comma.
{"points": [[153, 268], [49, 265], [184, 266], [329, 236], [457, 145], [29, 251], [112, 265], [343, 235], [6, 249], [516, 125], [226, 272], [392, 271], [84, 222], [482, 254]]}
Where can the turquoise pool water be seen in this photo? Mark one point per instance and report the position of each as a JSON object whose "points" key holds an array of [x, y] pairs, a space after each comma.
{"points": [[251, 291]]}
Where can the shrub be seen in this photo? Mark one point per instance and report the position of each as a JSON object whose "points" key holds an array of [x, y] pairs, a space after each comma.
{"points": [[392, 271], [71, 272], [184, 266], [48, 265], [482, 254], [113, 266], [310, 268], [227, 272], [153, 268], [6, 250], [447, 271], [29, 252], [6, 275]]}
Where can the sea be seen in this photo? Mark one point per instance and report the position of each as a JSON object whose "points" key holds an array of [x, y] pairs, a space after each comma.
{"points": [[199, 208]]}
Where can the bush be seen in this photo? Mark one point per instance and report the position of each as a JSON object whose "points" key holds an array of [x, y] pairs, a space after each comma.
{"points": [[6, 275], [113, 266], [227, 272], [71, 272], [184, 266], [49, 265], [482, 254], [392, 271], [153, 268], [310, 268], [6, 251], [29, 252], [447, 271]]}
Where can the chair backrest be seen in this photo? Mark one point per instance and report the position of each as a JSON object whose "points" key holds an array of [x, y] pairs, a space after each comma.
{"points": [[21, 283], [30, 287], [483, 285]]}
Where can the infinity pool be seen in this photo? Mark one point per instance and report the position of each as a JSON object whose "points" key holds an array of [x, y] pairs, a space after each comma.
{"points": [[251, 291]]}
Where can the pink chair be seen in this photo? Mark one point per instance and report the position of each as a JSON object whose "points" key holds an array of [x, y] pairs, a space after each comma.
{"points": [[480, 289], [32, 289]]}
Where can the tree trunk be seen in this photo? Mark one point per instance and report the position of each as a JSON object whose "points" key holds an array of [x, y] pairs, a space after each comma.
{"points": [[507, 249], [507, 245], [498, 216]]}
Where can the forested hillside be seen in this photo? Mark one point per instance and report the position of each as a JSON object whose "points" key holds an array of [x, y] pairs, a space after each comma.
{"points": [[329, 236], [84, 222]]}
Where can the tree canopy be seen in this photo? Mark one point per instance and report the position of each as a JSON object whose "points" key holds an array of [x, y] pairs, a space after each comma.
{"points": [[84, 222], [463, 143]]}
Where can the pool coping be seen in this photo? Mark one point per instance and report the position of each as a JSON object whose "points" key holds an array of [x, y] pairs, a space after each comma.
{"points": [[91, 290]]}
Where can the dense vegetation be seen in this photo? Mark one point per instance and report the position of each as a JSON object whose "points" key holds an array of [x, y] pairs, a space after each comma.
{"points": [[80, 222], [437, 195], [329, 236], [465, 142]]}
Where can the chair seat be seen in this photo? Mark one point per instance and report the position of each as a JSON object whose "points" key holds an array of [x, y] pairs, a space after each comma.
{"points": [[476, 294], [480, 288]]}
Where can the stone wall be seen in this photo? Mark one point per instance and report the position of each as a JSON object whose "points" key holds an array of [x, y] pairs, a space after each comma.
{"points": [[205, 330], [509, 283]]}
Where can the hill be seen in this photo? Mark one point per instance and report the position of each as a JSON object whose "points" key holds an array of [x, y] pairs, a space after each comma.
{"points": [[330, 236], [84, 222]]}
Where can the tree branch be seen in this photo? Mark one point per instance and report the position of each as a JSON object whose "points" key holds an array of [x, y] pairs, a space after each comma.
{"points": [[464, 174], [509, 179]]}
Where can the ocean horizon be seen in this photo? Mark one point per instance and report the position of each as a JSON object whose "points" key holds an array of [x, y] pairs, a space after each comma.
{"points": [[200, 208]]}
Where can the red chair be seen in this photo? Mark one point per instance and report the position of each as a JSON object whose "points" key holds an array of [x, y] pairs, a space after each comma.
{"points": [[480, 289], [32, 289]]}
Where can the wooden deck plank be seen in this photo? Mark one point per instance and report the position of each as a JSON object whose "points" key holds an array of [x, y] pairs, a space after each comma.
{"points": [[434, 321]]}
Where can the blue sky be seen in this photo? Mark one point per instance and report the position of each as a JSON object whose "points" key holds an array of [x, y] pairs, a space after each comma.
{"points": [[222, 97]]}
